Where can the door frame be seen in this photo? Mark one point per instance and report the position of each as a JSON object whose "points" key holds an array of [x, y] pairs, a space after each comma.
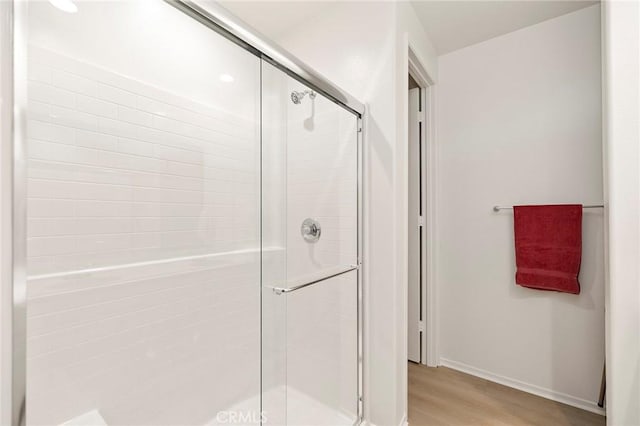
{"points": [[416, 68]]}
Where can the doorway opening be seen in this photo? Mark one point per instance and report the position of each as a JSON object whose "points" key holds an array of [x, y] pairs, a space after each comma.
{"points": [[419, 215], [420, 232]]}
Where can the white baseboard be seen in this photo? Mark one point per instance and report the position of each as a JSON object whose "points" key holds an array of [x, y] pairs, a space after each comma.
{"points": [[526, 387]]}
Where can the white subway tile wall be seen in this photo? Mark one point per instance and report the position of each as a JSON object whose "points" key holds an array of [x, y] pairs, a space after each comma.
{"points": [[321, 184], [143, 250], [143, 173]]}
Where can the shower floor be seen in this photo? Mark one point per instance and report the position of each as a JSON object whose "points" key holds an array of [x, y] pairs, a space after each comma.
{"points": [[301, 409]]}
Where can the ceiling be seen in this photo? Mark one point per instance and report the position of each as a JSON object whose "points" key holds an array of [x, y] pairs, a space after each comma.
{"points": [[450, 24], [453, 24]]}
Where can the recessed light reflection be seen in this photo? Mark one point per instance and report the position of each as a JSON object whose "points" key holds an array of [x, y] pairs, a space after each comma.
{"points": [[226, 78], [65, 5]]}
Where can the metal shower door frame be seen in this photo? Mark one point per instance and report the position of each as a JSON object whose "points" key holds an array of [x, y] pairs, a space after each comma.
{"points": [[13, 193], [13, 197]]}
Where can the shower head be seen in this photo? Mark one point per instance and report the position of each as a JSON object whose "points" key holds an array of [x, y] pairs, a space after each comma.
{"points": [[296, 97]]}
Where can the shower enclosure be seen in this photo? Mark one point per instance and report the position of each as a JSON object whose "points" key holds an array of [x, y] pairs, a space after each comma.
{"points": [[187, 210]]}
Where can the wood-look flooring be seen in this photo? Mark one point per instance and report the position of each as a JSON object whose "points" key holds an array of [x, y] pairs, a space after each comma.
{"points": [[442, 396]]}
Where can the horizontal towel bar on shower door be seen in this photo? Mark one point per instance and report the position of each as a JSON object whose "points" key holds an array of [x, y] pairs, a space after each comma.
{"points": [[335, 273]]}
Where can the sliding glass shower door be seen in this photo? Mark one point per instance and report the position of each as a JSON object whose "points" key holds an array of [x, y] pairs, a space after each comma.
{"points": [[310, 255], [143, 144], [192, 227]]}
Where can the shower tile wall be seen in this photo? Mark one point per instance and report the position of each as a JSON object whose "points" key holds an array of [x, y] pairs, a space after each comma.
{"points": [[143, 250], [153, 174], [321, 184]]}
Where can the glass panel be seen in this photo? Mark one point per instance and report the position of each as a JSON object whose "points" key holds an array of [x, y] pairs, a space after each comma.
{"points": [[143, 219], [309, 169], [322, 362]]}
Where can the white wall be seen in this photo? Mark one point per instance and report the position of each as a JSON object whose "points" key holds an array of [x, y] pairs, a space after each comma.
{"points": [[519, 122], [621, 23], [360, 52]]}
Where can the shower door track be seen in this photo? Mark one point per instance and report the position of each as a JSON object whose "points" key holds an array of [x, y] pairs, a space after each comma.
{"points": [[215, 17], [220, 20]]}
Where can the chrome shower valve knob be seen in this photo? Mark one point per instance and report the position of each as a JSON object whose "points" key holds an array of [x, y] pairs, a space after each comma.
{"points": [[310, 230]]}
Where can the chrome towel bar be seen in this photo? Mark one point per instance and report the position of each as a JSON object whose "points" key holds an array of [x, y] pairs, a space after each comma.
{"points": [[281, 290], [586, 206]]}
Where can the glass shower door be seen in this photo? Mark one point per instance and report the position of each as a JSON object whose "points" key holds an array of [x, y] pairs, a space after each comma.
{"points": [[143, 142], [192, 219], [309, 249]]}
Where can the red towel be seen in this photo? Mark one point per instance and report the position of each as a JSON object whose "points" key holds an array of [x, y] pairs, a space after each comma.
{"points": [[548, 246]]}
